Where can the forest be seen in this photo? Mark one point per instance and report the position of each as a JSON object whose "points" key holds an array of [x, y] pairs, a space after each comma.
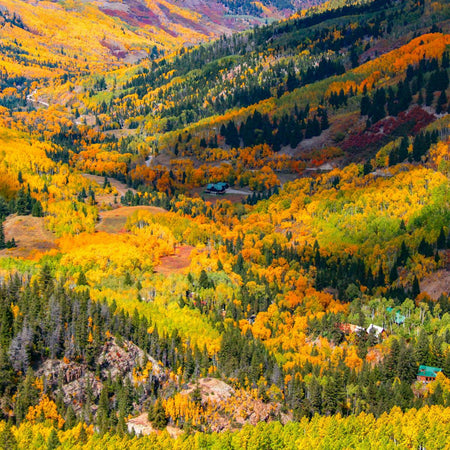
{"points": [[303, 304]]}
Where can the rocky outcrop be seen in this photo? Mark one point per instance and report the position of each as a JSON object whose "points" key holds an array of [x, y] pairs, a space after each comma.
{"points": [[113, 361], [120, 360]]}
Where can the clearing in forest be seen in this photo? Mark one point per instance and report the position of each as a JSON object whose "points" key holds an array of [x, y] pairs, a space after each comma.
{"points": [[30, 235], [175, 263], [108, 199], [114, 221]]}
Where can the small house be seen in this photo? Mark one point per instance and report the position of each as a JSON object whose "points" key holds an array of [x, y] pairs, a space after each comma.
{"points": [[376, 330], [216, 188], [427, 373], [399, 318]]}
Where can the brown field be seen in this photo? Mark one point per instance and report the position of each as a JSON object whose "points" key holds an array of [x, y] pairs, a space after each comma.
{"points": [[114, 221], [30, 235], [175, 263]]}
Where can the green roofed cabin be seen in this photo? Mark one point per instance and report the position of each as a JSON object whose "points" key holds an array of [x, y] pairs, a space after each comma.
{"points": [[216, 188], [399, 318], [427, 373]]}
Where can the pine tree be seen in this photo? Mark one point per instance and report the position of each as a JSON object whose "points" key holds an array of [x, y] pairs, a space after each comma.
{"points": [[329, 403], [406, 365], [70, 418], [393, 275], [391, 360], [45, 277], [128, 281], [442, 100], [159, 419], [103, 411], [82, 436], [53, 440], [404, 255], [315, 395], [403, 149], [415, 288], [27, 396], [82, 280], [446, 365], [196, 395], [37, 210], [2, 237], [7, 438], [441, 240], [422, 348], [203, 280]]}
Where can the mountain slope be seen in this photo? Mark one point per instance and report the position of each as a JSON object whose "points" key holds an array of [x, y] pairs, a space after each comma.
{"points": [[44, 39], [299, 83], [271, 262]]}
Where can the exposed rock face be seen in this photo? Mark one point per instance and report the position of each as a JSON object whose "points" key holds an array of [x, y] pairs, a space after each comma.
{"points": [[212, 390], [225, 407], [114, 361]]}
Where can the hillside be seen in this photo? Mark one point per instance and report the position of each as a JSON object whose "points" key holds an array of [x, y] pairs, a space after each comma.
{"points": [[300, 83], [243, 243], [47, 39]]}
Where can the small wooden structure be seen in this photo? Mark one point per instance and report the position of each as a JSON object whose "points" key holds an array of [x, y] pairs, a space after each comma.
{"points": [[427, 373]]}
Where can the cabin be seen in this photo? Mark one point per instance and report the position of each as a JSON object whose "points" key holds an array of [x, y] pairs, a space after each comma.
{"points": [[326, 167], [376, 330], [216, 188], [399, 318], [427, 374]]}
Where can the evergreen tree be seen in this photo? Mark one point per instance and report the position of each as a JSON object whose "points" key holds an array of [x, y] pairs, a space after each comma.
{"points": [[442, 100], [422, 348], [27, 396], [329, 403], [53, 440], [406, 365], [196, 395], [415, 288], [441, 242], [315, 395], [158, 417], [7, 438], [103, 411], [2, 237], [37, 210], [82, 280], [403, 149], [127, 281]]}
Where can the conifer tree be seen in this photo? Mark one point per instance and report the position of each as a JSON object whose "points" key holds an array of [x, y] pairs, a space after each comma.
{"points": [[7, 438], [2, 237], [158, 417], [53, 441], [415, 288]]}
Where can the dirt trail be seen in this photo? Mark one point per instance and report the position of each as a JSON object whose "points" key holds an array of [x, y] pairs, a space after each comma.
{"points": [[109, 198]]}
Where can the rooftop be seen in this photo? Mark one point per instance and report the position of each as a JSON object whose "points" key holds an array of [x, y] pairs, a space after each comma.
{"points": [[428, 371]]}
